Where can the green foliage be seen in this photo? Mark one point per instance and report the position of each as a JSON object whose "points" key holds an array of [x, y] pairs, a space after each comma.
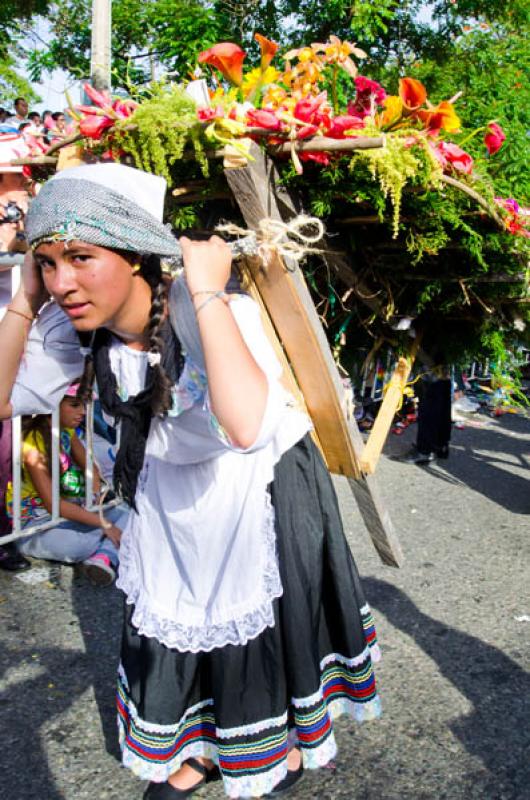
{"points": [[392, 166], [159, 130]]}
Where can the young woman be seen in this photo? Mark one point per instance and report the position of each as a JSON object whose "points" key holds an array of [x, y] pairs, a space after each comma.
{"points": [[246, 629], [81, 537]]}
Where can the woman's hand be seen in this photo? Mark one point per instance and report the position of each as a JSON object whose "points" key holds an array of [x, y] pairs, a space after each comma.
{"points": [[32, 288], [114, 534], [206, 264]]}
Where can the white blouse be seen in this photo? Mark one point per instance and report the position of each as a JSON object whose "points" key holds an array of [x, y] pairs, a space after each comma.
{"points": [[198, 561]]}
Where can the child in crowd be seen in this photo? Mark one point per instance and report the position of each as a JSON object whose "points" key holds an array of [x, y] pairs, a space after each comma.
{"points": [[82, 537]]}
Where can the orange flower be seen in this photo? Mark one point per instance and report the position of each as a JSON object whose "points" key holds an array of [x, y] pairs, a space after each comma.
{"points": [[412, 93], [443, 117], [227, 58], [268, 50]]}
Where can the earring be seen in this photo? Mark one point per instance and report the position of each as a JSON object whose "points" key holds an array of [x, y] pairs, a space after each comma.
{"points": [[136, 268]]}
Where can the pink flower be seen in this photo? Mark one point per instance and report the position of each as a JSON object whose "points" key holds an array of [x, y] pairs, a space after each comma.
{"points": [[308, 108], [261, 118], [449, 154], [369, 94], [207, 113], [317, 157], [101, 99], [342, 124], [494, 138]]}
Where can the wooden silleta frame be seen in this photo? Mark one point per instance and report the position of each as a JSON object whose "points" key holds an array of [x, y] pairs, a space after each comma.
{"points": [[308, 363]]}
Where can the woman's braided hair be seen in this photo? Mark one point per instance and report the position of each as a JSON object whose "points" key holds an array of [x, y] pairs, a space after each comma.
{"points": [[151, 272]]}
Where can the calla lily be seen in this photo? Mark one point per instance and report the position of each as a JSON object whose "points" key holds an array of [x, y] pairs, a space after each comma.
{"points": [[227, 58], [412, 93], [268, 50], [443, 117], [393, 110], [494, 138]]}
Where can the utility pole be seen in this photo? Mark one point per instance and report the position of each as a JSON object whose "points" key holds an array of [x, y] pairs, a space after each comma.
{"points": [[100, 57]]}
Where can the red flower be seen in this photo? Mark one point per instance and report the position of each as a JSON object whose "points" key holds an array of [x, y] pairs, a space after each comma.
{"points": [[448, 153], [412, 93], [369, 94], [340, 126], [101, 99], [124, 108], [308, 108], [207, 113], [494, 138], [261, 118], [93, 126], [268, 50], [317, 157], [227, 58]]}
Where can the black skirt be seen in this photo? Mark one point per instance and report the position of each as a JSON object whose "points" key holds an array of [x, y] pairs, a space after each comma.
{"points": [[245, 706]]}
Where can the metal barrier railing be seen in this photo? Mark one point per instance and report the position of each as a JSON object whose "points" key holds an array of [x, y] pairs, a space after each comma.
{"points": [[47, 521]]}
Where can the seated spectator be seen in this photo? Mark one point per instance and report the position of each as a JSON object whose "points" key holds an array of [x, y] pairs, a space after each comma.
{"points": [[57, 126], [4, 114], [83, 537]]}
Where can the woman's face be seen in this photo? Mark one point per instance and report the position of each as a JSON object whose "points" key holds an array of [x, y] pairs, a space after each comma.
{"points": [[72, 412], [93, 285]]}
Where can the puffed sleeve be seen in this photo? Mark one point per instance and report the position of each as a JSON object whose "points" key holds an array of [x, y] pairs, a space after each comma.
{"points": [[51, 362], [248, 318]]}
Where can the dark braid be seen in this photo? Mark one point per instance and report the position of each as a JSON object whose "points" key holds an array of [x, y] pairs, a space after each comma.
{"points": [[86, 383], [151, 271]]}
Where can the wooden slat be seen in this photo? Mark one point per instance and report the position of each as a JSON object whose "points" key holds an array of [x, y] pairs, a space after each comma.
{"points": [[286, 297], [385, 416]]}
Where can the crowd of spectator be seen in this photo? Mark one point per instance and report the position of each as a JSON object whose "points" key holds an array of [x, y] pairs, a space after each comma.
{"points": [[47, 127]]}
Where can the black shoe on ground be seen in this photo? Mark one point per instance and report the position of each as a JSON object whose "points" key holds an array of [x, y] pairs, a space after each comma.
{"points": [[12, 561], [415, 457], [285, 785], [165, 791], [442, 452]]}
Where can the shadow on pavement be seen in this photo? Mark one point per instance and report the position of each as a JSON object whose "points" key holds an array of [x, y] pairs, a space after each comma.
{"points": [[100, 614], [483, 459], [26, 706], [496, 731]]}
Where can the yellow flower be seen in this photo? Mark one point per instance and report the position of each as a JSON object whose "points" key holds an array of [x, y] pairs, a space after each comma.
{"points": [[393, 109], [274, 96], [256, 78]]}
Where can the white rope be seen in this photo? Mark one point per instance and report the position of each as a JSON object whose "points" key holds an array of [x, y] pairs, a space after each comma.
{"points": [[294, 239]]}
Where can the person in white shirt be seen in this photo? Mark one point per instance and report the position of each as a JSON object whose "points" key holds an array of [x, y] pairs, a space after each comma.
{"points": [[246, 628]]}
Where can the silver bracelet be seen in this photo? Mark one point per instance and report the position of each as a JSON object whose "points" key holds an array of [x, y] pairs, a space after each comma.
{"points": [[219, 295]]}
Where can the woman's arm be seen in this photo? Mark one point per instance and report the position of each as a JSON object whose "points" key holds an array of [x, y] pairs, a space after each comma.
{"points": [[79, 455], [237, 386], [14, 329]]}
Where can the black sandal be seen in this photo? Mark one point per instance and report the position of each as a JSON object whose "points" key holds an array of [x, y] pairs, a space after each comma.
{"points": [[285, 785], [165, 791]]}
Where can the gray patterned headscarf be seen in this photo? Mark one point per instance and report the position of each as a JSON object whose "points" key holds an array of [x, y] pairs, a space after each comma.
{"points": [[109, 205]]}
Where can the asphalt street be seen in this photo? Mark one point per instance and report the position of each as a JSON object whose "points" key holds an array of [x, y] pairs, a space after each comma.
{"points": [[453, 623]]}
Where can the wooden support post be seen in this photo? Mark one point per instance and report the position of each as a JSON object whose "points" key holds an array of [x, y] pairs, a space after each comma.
{"points": [[288, 302], [392, 398]]}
